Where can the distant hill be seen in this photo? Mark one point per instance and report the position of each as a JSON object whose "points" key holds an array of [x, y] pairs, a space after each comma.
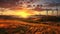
{"points": [[42, 18], [34, 18]]}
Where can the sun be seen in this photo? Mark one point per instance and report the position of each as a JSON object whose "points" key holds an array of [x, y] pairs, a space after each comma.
{"points": [[23, 13]]}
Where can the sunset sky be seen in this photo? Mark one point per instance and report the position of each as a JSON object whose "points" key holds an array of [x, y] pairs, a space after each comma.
{"points": [[36, 2], [13, 5]]}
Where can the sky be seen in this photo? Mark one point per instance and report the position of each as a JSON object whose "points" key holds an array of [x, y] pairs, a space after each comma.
{"points": [[11, 3], [46, 4]]}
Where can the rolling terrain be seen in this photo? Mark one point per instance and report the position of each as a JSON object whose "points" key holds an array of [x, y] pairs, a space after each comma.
{"points": [[11, 25]]}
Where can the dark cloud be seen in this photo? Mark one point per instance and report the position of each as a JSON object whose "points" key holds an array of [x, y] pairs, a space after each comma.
{"points": [[12, 3], [8, 3], [53, 4], [9, 0]]}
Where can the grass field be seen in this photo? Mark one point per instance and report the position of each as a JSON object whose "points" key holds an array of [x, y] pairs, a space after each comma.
{"points": [[20, 26]]}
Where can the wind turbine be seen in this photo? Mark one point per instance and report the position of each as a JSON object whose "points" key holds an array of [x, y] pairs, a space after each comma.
{"points": [[56, 5], [53, 4]]}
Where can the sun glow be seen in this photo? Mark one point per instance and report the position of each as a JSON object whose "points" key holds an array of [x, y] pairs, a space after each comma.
{"points": [[24, 13]]}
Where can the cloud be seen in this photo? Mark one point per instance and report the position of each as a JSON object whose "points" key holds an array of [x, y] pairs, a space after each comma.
{"points": [[8, 3], [12, 3], [53, 4]]}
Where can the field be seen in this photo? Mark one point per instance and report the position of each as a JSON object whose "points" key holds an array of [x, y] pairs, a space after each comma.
{"points": [[20, 26]]}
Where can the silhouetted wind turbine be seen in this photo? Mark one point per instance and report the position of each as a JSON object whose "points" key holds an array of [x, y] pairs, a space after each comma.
{"points": [[53, 4]]}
